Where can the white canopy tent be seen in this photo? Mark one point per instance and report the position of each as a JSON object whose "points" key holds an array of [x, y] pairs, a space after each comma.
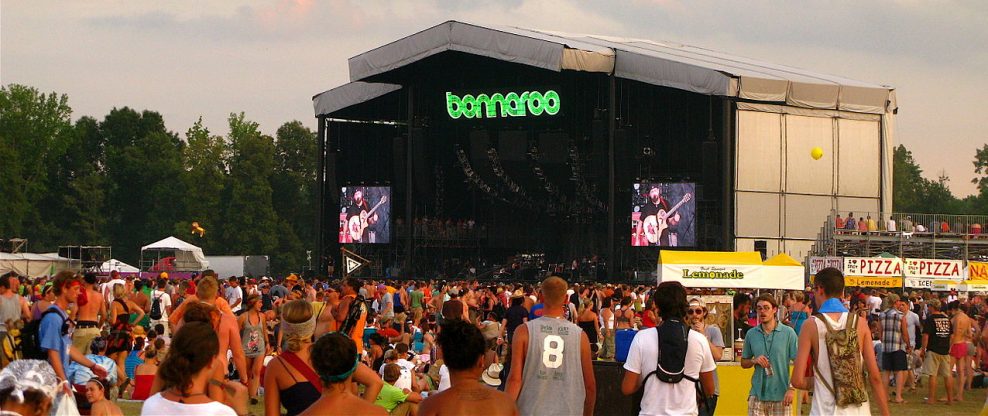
{"points": [[117, 265], [34, 264], [188, 257]]}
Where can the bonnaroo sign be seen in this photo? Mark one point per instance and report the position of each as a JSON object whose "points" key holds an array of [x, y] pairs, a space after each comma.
{"points": [[503, 105]]}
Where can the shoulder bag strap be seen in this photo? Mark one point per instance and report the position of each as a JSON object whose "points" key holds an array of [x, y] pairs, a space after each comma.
{"points": [[303, 369], [828, 386]]}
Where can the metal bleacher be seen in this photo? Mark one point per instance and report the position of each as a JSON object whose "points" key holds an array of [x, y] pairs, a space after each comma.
{"points": [[931, 236]]}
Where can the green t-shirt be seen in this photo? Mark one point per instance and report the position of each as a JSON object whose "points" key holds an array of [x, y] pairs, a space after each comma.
{"points": [[417, 298], [390, 397]]}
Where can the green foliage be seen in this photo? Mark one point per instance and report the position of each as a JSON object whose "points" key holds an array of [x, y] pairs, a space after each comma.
{"points": [[35, 129], [250, 222], [294, 186], [205, 178]]}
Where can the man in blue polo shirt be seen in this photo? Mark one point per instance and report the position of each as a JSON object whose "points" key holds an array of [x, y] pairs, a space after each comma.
{"points": [[55, 330], [770, 348]]}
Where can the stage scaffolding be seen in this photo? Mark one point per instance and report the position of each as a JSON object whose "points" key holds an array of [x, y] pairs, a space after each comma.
{"points": [[931, 236]]}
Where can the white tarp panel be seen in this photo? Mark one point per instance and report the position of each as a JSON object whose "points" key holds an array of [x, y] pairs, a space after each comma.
{"points": [[797, 248], [187, 256], [757, 215], [888, 142], [772, 246], [859, 146], [349, 94], [803, 174], [860, 206], [33, 264], [759, 151], [660, 63], [804, 214]]}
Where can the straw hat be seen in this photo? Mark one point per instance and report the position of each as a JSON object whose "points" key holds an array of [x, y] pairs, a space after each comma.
{"points": [[492, 376], [517, 294]]}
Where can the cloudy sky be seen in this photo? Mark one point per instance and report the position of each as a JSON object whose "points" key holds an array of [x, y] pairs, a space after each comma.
{"points": [[187, 59]]}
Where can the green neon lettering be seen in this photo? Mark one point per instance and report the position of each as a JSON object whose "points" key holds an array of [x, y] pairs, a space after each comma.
{"points": [[496, 105]]}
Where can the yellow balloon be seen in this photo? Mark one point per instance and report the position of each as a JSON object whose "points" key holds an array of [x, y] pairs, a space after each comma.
{"points": [[816, 153]]}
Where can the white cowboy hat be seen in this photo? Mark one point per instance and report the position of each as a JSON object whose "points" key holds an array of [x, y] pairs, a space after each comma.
{"points": [[492, 376]]}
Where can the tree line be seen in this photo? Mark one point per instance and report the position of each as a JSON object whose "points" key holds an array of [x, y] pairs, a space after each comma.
{"points": [[127, 181]]}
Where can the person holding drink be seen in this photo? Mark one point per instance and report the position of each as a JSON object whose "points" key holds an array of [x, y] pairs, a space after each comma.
{"points": [[769, 347]]}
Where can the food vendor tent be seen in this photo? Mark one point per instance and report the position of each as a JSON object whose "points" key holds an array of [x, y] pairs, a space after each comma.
{"points": [[730, 270], [34, 264], [187, 256]]}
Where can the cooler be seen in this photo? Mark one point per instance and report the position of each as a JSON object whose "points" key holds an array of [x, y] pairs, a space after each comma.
{"points": [[622, 343]]}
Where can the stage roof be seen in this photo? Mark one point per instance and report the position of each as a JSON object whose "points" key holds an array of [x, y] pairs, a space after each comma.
{"points": [[666, 64]]}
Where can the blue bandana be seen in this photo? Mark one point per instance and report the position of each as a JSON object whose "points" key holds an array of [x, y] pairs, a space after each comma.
{"points": [[832, 305]]}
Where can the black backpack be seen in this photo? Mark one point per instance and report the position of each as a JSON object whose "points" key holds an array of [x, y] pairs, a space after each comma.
{"points": [[673, 338], [31, 337], [357, 307], [155, 313]]}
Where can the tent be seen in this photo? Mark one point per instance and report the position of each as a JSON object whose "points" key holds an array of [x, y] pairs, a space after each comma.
{"points": [[730, 270], [34, 264], [117, 265], [187, 256]]}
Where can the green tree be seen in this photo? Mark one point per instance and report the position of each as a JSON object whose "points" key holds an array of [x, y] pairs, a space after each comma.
{"points": [[294, 185], [205, 178], [981, 169], [251, 224], [144, 168], [34, 132], [907, 181], [76, 197]]}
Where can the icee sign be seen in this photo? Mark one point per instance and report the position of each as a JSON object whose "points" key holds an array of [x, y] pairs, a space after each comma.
{"points": [[502, 105]]}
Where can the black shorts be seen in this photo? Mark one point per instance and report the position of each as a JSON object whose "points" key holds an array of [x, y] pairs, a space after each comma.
{"points": [[894, 361]]}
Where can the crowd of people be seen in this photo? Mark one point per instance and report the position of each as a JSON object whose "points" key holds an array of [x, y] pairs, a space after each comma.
{"points": [[219, 346]]}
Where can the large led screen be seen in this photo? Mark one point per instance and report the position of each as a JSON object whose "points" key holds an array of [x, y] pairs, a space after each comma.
{"points": [[365, 215], [663, 214]]}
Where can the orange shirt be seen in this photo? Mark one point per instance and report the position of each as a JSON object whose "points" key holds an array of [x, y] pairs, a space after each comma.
{"points": [[357, 333]]}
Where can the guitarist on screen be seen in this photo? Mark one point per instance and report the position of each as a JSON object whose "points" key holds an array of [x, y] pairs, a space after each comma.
{"points": [[359, 205], [652, 208]]}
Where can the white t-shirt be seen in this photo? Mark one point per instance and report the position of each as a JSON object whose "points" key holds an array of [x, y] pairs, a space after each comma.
{"points": [[444, 378], [233, 294], [108, 289], [663, 398], [157, 405], [165, 302], [875, 304]]}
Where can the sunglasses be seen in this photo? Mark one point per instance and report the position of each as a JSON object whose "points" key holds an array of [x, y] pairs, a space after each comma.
{"points": [[695, 311]]}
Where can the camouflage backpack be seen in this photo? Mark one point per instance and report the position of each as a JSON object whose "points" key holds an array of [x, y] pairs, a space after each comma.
{"points": [[844, 351]]}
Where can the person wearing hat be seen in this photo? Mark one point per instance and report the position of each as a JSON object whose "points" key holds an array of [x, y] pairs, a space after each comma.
{"points": [[462, 347], [28, 387]]}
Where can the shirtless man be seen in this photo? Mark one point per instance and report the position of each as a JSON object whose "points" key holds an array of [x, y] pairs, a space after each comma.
{"points": [[463, 347], [959, 340], [226, 329], [89, 317], [325, 319]]}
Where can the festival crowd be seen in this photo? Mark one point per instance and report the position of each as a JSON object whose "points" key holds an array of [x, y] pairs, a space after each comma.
{"points": [[210, 346]]}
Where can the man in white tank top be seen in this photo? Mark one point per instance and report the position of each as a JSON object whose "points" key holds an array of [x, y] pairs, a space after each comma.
{"points": [[828, 290], [551, 372]]}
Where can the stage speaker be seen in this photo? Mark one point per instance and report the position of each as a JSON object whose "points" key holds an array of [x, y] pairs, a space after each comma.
{"points": [[761, 246], [554, 147], [479, 142], [610, 400], [256, 266], [421, 162], [512, 145], [710, 152], [399, 156]]}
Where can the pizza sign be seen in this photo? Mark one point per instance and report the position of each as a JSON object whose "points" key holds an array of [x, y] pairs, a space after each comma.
{"points": [[939, 269], [977, 271], [873, 266]]}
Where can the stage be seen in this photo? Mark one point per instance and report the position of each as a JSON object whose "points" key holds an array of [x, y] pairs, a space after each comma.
{"points": [[502, 149]]}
